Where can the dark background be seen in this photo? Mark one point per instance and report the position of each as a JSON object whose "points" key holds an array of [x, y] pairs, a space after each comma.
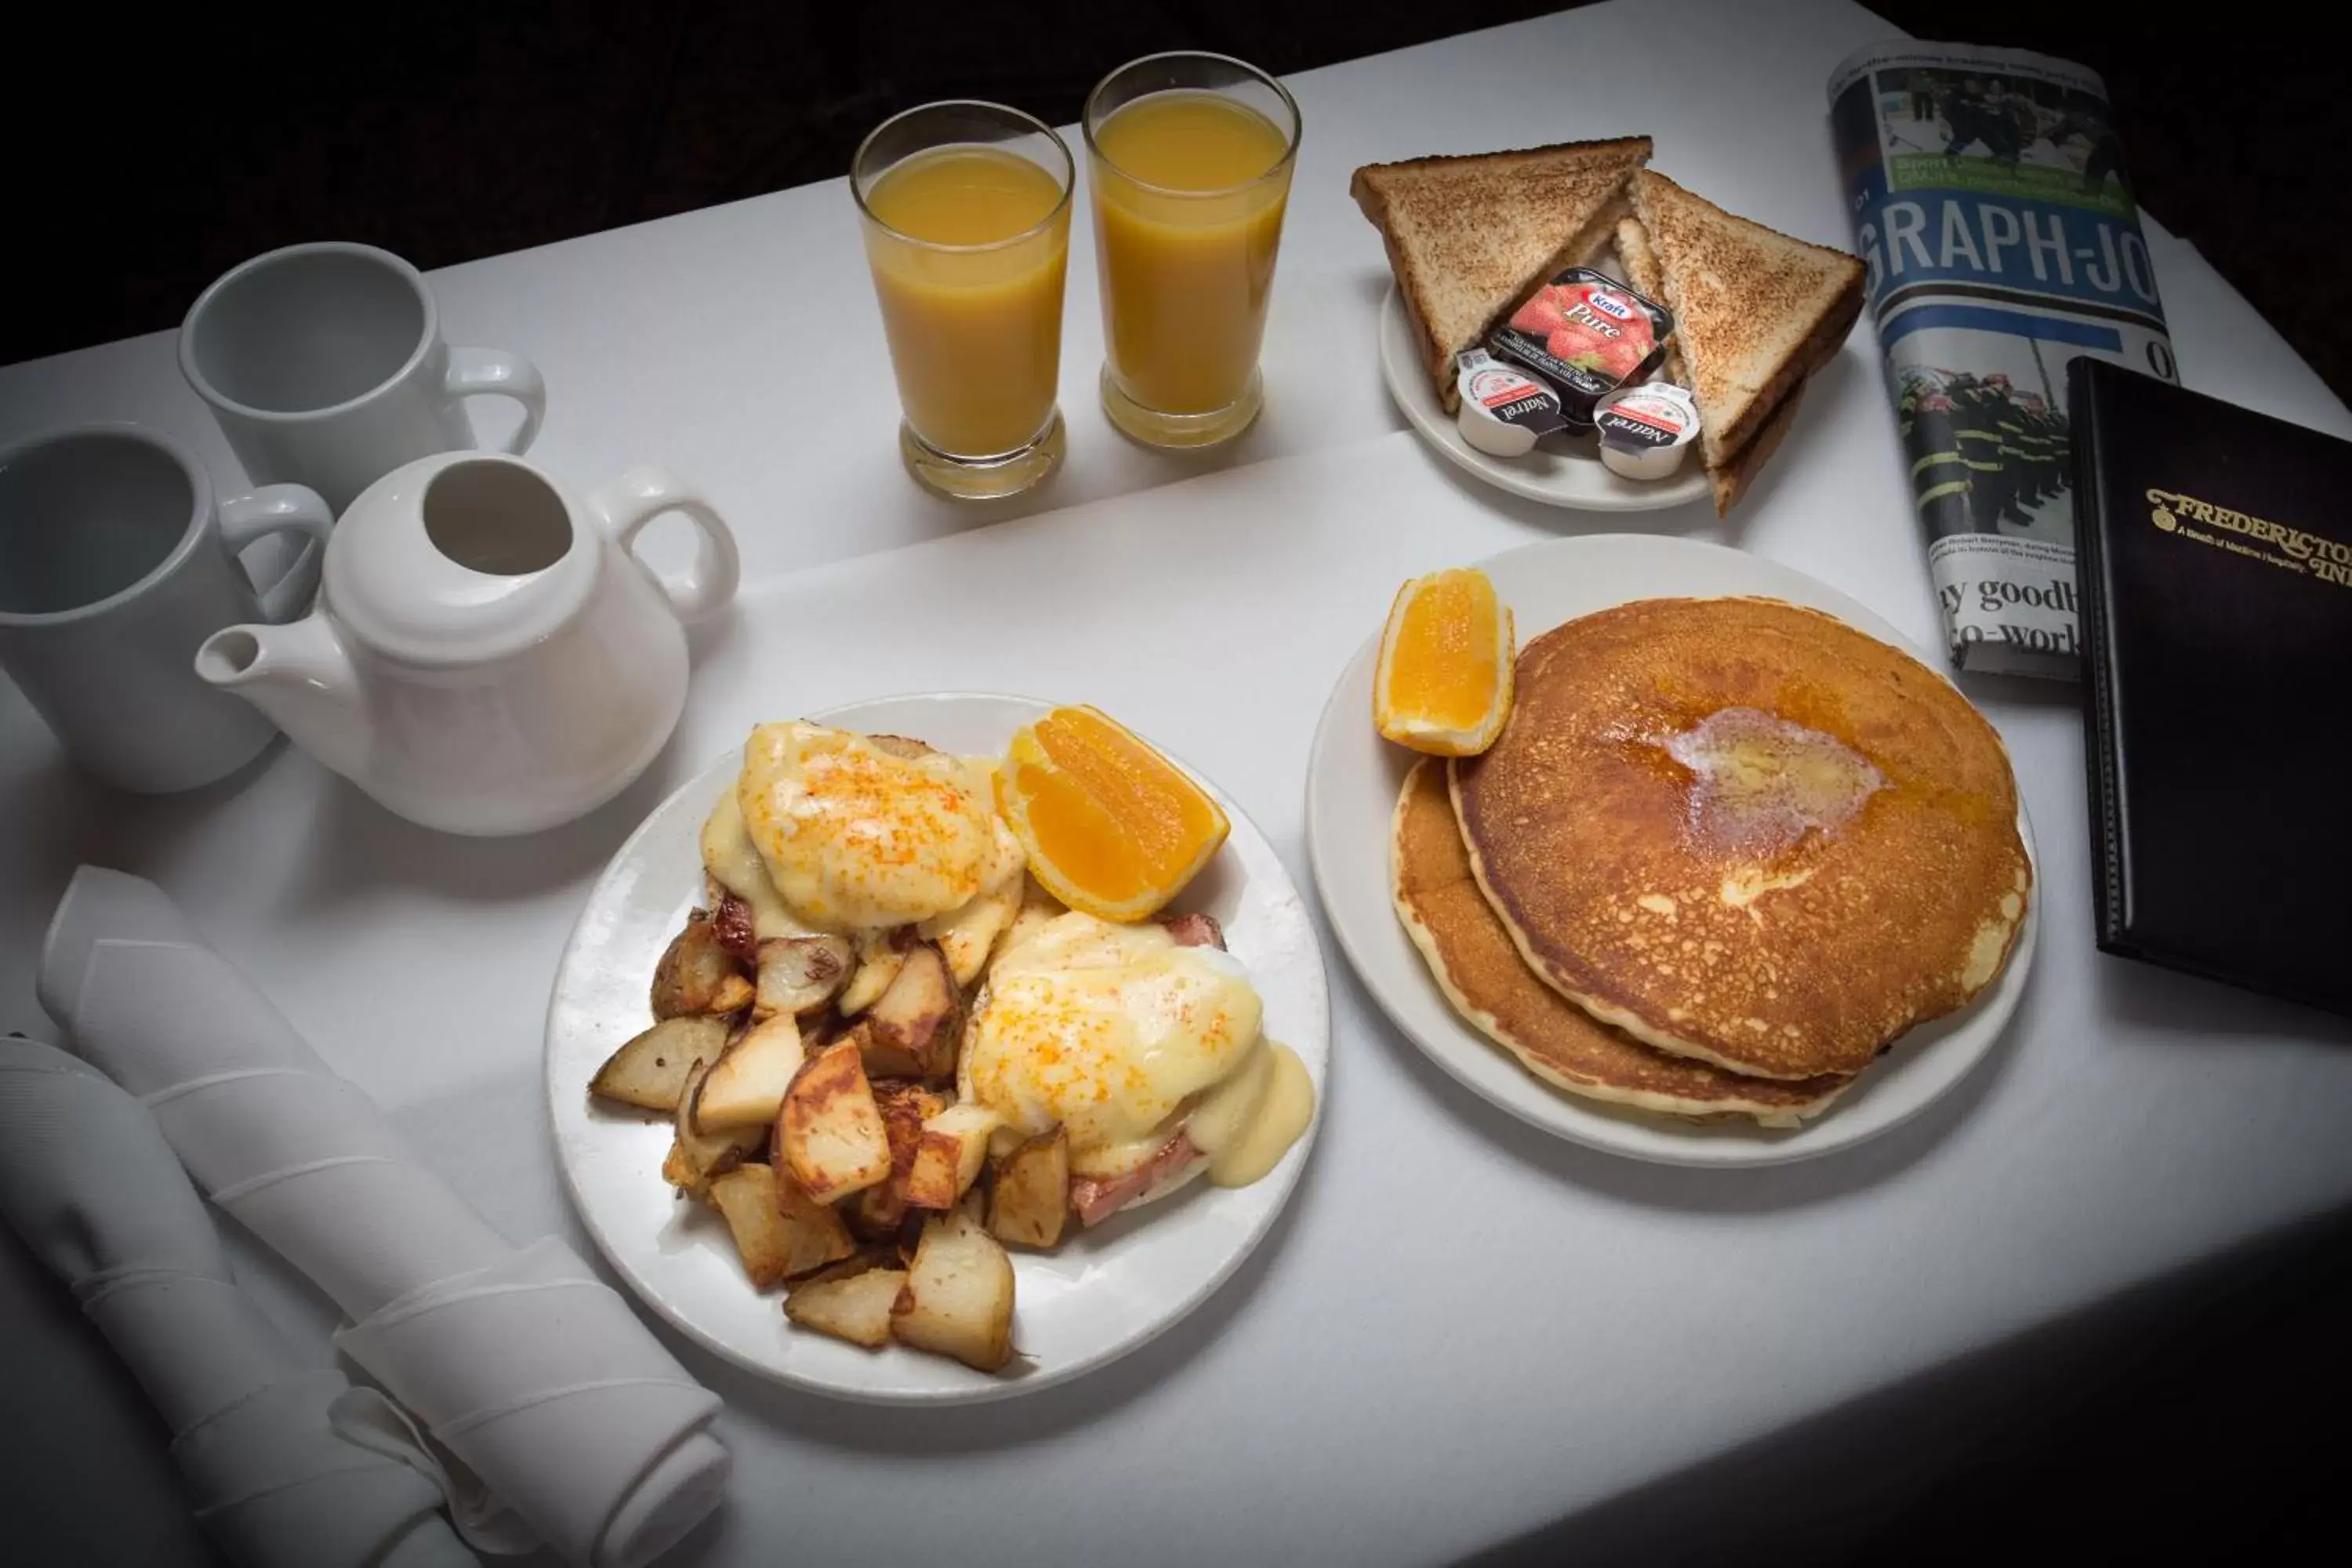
{"points": [[150, 151], [181, 141]]}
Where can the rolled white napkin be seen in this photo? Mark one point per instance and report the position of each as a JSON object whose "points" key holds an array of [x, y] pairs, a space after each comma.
{"points": [[537, 1376], [287, 1466]]}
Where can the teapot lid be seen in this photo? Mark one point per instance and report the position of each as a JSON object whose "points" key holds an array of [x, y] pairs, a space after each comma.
{"points": [[460, 558]]}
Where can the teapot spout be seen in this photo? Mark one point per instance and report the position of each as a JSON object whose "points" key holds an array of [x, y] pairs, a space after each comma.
{"points": [[301, 676]]}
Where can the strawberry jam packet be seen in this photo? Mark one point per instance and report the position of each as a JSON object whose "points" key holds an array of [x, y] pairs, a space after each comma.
{"points": [[1587, 336]]}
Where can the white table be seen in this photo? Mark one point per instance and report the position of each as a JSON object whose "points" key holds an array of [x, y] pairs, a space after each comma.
{"points": [[1461, 1330]]}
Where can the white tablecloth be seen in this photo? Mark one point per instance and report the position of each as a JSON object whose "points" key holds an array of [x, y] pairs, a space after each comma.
{"points": [[1462, 1329]]}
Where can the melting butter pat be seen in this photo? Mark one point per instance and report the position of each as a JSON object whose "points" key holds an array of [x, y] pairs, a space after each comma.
{"points": [[1762, 782]]}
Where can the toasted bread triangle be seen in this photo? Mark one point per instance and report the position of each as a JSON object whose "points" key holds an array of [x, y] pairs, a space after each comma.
{"points": [[1730, 479], [1755, 312], [1467, 237], [1640, 264]]}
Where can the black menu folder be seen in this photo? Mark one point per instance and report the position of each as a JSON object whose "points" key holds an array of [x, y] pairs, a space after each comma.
{"points": [[2215, 557]]}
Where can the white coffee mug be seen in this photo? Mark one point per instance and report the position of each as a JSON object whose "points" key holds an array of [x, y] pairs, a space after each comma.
{"points": [[325, 365], [115, 563]]}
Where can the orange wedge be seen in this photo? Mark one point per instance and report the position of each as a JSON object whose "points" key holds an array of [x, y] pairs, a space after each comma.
{"points": [[1444, 683], [1111, 826]]}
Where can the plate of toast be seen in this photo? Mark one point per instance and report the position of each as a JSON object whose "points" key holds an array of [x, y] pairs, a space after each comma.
{"points": [[1471, 238]]}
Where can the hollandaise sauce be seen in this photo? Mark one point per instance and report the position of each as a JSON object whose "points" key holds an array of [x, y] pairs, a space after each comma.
{"points": [[728, 856], [1247, 1123], [826, 831]]}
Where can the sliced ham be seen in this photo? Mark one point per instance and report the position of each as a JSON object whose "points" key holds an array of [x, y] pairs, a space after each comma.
{"points": [[1096, 1198], [1195, 931]]}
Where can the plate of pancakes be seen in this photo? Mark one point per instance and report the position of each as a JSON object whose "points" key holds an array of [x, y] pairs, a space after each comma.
{"points": [[1106, 1290], [1744, 880]]}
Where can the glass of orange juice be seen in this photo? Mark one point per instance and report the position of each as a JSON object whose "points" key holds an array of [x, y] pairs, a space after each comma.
{"points": [[967, 214], [1190, 157]]}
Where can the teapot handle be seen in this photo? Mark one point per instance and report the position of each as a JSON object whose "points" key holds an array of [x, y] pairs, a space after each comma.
{"points": [[636, 498]]}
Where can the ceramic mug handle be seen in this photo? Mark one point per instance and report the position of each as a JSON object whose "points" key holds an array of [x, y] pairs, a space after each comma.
{"points": [[476, 372], [280, 509], [639, 496]]}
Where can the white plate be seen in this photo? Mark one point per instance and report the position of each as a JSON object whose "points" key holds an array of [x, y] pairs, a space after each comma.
{"points": [[1104, 1292], [1352, 781], [1563, 470]]}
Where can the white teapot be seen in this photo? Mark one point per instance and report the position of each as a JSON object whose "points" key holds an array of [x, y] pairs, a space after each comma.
{"points": [[487, 655]]}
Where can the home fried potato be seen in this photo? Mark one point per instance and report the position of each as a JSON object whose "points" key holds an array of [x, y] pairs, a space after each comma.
{"points": [[694, 1156], [746, 1085], [957, 1297], [879, 961], [852, 1302], [882, 1061], [829, 1131], [917, 1018], [801, 974], [966, 936], [780, 1231], [698, 975], [877, 1213], [905, 1107], [1031, 1198], [948, 1155], [649, 1071]]}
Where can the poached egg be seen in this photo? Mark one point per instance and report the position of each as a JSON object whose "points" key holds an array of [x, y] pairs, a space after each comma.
{"points": [[1127, 1041], [827, 831]]}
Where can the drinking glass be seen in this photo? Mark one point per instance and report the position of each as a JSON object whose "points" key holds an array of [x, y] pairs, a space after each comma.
{"points": [[967, 215], [1190, 157]]}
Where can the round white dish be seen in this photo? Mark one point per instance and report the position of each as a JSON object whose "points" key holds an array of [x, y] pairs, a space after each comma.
{"points": [[1563, 470], [1104, 1292], [1352, 781]]}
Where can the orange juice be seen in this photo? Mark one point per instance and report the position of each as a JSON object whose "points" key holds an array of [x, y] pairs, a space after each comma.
{"points": [[968, 250], [1189, 193]]}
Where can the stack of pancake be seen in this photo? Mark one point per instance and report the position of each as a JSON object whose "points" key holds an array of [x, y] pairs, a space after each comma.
{"points": [[1723, 854]]}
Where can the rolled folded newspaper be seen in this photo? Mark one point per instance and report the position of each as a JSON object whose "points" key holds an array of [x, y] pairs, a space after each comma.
{"points": [[583, 1432], [287, 1464], [1991, 206]]}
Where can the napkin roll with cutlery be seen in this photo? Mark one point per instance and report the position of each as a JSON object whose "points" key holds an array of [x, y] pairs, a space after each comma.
{"points": [[287, 1465], [581, 1429]]}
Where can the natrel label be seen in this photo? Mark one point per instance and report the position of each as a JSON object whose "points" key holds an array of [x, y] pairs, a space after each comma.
{"points": [[1503, 409], [1645, 429], [1510, 395], [1647, 416]]}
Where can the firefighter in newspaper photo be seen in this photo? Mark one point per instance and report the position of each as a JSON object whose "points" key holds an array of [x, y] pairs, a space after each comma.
{"points": [[1941, 482], [1976, 436], [1985, 457], [2045, 439], [2018, 475]]}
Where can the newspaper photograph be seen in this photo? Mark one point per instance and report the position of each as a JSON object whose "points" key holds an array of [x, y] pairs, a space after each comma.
{"points": [[1994, 213]]}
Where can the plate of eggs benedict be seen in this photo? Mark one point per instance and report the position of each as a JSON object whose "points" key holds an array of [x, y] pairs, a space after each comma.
{"points": [[937, 1049]]}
